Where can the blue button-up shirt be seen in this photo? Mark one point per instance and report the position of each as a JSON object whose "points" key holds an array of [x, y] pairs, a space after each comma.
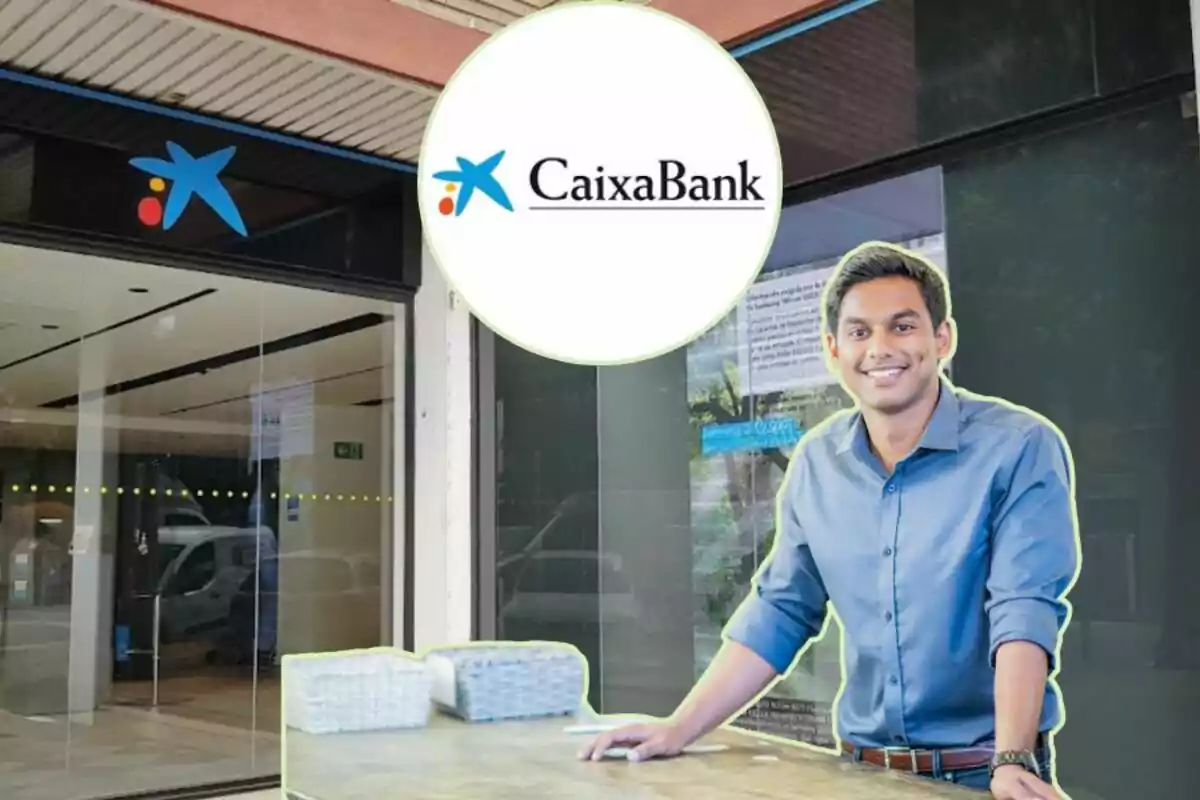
{"points": [[971, 542]]}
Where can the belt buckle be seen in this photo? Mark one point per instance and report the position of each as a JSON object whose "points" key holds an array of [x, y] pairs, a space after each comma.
{"points": [[912, 759]]}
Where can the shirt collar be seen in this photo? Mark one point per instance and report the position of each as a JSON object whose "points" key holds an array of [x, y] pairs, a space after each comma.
{"points": [[942, 431], [940, 434]]}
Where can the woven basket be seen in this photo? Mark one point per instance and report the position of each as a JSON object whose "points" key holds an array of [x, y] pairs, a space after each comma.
{"points": [[367, 690], [481, 684]]}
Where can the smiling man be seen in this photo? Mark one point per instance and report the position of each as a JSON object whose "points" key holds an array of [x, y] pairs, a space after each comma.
{"points": [[940, 526]]}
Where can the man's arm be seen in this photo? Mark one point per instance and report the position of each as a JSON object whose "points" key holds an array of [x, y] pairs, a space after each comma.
{"points": [[735, 677], [1021, 672], [1035, 558]]}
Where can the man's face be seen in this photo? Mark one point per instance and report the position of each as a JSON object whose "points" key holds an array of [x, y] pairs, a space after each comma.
{"points": [[886, 347]]}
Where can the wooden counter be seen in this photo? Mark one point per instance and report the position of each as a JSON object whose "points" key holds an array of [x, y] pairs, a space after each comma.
{"points": [[452, 760]]}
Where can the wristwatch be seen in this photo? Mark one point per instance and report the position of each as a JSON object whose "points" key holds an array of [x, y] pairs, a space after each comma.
{"points": [[1021, 758]]}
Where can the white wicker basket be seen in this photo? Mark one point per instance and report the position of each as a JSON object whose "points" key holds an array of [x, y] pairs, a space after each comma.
{"points": [[508, 681], [363, 690]]}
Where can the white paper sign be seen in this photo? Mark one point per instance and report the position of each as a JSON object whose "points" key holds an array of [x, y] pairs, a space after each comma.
{"points": [[283, 421], [779, 327]]}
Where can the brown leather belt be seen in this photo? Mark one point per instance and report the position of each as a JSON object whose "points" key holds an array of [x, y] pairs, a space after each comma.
{"points": [[920, 762]]}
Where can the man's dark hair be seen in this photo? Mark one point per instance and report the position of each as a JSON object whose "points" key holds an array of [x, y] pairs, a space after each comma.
{"points": [[878, 261]]}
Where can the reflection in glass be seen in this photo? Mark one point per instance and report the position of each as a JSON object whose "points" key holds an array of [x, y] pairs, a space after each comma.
{"points": [[545, 495]]}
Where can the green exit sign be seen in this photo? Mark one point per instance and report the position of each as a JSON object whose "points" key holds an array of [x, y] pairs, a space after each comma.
{"points": [[352, 451]]}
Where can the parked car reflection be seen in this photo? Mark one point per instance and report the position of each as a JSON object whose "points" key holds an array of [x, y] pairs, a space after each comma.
{"points": [[201, 568], [558, 584]]}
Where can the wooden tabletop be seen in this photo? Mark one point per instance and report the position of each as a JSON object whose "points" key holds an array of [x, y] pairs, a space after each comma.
{"points": [[532, 760]]}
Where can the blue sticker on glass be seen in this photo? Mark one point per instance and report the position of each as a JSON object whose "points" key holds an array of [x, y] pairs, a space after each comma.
{"points": [[762, 434]]}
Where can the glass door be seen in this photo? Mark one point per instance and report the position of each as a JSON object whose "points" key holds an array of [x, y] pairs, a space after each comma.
{"points": [[200, 476]]}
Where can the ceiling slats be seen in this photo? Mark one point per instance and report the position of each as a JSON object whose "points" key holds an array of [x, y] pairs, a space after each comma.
{"points": [[155, 54], [484, 15]]}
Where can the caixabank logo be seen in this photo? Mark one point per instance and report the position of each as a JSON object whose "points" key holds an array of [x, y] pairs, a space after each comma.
{"points": [[668, 186], [182, 177], [462, 184], [604, 211]]}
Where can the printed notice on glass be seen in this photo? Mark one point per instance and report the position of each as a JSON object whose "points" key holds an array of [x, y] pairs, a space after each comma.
{"points": [[283, 421], [779, 321], [296, 420]]}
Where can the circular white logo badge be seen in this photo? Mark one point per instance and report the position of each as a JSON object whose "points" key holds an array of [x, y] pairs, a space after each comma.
{"points": [[600, 182]]}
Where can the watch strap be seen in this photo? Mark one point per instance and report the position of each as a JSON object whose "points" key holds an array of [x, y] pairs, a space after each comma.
{"points": [[1022, 758]]}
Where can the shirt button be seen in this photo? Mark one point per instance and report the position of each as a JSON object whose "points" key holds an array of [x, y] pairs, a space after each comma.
{"points": [[888, 616], [887, 551], [893, 681], [891, 487]]}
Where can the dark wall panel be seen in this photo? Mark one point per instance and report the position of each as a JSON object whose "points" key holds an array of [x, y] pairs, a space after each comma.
{"points": [[986, 62], [901, 74], [1075, 288]]}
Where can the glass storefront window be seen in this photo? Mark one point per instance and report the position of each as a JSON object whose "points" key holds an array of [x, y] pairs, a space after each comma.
{"points": [[755, 384], [196, 478], [632, 503]]}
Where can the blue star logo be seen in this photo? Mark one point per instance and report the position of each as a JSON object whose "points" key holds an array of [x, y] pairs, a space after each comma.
{"points": [[194, 176], [471, 178]]}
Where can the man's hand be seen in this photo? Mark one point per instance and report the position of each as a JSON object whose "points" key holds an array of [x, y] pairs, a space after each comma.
{"points": [[654, 740], [1014, 782], [735, 677]]}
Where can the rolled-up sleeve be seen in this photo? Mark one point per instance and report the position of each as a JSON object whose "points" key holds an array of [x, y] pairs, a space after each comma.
{"points": [[1035, 547], [786, 605]]}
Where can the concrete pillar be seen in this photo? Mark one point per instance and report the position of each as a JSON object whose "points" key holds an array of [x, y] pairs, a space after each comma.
{"points": [[442, 514], [93, 542]]}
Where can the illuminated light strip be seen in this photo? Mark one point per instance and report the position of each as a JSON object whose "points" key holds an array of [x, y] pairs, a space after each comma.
{"points": [[214, 494]]}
